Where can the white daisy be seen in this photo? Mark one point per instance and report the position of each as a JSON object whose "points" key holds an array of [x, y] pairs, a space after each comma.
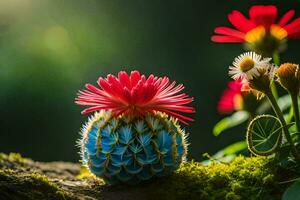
{"points": [[246, 65]]}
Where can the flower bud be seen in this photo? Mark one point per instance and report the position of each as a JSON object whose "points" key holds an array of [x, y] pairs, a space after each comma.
{"points": [[263, 81], [289, 77]]}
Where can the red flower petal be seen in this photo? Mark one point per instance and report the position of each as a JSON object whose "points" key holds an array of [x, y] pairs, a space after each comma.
{"points": [[293, 27], [229, 32], [220, 38], [227, 102], [263, 15], [136, 95], [286, 17], [124, 79], [134, 78], [260, 15], [239, 21]]}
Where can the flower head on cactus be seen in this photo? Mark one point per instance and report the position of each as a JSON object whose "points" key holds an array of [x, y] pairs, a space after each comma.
{"points": [[261, 31], [136, 95]]}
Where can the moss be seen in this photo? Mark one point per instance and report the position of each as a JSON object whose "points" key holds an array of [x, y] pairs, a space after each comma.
{"points": [[84, 173], [14, 158], [2, 156], [29, 186], [243, 178]]}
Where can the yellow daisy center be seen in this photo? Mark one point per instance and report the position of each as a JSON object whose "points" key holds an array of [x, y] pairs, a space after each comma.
{"points": [[246, 64]]}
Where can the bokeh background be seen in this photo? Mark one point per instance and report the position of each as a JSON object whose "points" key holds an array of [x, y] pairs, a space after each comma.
{"points": [[50, 48]]}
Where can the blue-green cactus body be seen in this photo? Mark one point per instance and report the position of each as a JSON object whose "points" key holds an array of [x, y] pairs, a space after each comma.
{"points": [[120, 149]]}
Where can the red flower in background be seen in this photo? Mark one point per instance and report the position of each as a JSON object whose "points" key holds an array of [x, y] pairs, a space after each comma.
{"points": [[136, 95], [232, 98], [262, 23]]}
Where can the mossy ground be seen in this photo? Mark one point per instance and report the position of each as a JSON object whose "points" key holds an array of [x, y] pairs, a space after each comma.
{"points": [[16, 186], [243, 178]]}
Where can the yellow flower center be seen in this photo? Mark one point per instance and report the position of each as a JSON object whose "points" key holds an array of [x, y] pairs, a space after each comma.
{"points": [[246, 64], [255, 34], [278, 32]]}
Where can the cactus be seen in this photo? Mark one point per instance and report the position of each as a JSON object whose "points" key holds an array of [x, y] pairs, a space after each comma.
{"points": [[124, 150], [134, 134]]}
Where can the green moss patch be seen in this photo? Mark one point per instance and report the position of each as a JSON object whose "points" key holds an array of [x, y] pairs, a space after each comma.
{"points": [[14, 157], [243, 178]]}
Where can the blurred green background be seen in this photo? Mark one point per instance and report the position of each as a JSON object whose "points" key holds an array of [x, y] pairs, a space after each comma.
{"points": [[50, 48]]}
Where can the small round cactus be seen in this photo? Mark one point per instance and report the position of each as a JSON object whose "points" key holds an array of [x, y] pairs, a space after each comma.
{"points": [[134, 134], [125, 150]]}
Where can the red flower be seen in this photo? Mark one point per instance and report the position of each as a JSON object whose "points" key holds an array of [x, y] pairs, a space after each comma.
{"points": [[136, 95], [232, 98], [262, 23]]}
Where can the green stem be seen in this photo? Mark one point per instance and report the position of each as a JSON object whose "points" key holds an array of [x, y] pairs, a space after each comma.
{"points": [[284, 125], [274, 89], [296, 110], [276, 60], [290, 115]]}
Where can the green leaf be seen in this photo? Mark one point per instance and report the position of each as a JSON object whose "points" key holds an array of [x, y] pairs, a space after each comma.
{"points": [[235, 147], [284, 103], [295, 135], [288, 117], [228, 153], [264, 135], [293, 192], [231, 149], [229, 122]]}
